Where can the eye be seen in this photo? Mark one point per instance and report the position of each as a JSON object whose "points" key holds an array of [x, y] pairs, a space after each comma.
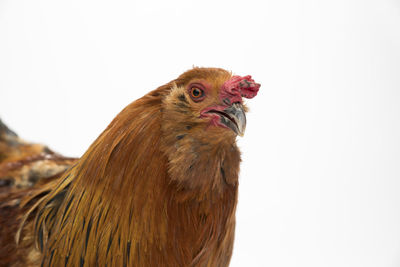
{"points": [[196, 93]]}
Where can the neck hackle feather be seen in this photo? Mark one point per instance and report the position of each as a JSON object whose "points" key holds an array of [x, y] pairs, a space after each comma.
{"points": [[152, 190]]}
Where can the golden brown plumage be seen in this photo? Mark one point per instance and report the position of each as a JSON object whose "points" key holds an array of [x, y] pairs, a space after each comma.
{"points": [[26, 170], [157, 188]]}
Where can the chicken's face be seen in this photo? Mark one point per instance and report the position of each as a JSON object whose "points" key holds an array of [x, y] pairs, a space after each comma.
{"points": [[202, 113], [213, 97]]}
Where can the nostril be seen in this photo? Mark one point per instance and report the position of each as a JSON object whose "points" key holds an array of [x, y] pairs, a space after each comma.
{"points": [[226, 101]]}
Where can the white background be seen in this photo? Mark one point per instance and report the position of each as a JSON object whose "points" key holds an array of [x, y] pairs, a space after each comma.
{"points": [[320, 178]]}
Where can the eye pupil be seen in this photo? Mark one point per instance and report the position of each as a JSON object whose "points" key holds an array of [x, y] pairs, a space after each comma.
{"points": [[196, 92]]}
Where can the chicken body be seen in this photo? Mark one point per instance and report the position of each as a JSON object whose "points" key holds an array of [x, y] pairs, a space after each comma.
{"points": [[157, 188]]}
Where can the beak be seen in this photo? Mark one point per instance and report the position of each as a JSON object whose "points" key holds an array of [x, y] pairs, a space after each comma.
{"points": [[234, 118]]}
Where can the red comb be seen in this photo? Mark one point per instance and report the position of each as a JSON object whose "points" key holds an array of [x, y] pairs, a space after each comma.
{"points": [[238, 87]]}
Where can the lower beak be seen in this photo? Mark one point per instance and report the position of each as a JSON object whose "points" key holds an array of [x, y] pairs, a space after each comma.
{"points": [[235, 118]]}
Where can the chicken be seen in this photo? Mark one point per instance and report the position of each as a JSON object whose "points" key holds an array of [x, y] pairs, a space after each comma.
{"points": [[157, 188], [25, 170]]}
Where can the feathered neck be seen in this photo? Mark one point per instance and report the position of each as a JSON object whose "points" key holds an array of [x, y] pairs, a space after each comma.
{"points": [[133, 197], [199, 158]]}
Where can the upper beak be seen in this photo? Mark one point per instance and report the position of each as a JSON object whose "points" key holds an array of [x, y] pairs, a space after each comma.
{"points": [[234, 118]]}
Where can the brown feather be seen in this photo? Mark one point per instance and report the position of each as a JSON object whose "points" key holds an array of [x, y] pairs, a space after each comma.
{"points": [[157, 188]]}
